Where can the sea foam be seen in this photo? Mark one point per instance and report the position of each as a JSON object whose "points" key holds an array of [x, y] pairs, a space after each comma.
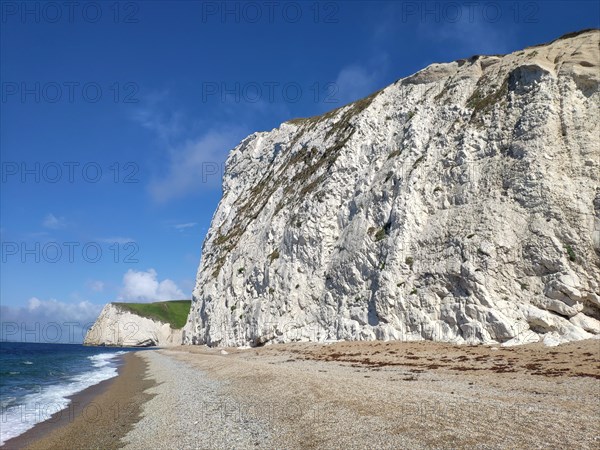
{"points": [[47, 400]]}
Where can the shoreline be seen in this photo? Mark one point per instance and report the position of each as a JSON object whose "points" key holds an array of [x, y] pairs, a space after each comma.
{"points": [[97, 417]]}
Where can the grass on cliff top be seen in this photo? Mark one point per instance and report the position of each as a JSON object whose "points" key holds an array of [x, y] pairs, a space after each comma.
{"points": [[174, 312]]}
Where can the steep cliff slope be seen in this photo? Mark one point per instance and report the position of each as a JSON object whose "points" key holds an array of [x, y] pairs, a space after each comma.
{"points": [[459, 204], [138, 324]]}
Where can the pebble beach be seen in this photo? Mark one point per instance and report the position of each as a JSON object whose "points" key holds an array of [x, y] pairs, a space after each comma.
{"points": [[350, 395]]}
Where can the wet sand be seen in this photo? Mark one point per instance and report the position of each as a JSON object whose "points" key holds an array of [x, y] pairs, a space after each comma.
{"points": [[97, 417]]}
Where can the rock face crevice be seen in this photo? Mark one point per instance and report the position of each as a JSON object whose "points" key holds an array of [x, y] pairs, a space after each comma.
{"points": [[117, 327], [459, 204]]}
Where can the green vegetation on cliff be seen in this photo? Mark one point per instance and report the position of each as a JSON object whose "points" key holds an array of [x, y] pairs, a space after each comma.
{"points": [[174, 312]]}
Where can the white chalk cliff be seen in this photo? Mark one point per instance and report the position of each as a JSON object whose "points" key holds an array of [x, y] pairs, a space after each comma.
{"points": [[460, 204], [119, 327]]}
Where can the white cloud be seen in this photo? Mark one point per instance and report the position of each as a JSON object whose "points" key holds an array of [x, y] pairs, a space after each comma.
{"points": [[54, 309], [48, 321], [183, 226], [195, 164], [53, 222], [144, 287]]}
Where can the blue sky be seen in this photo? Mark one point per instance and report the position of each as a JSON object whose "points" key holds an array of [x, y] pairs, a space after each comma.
{"points": [[116, 120]]}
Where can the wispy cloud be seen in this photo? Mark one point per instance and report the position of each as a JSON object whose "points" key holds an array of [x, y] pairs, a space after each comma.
{"points": [[163, 122], [194, 153], [196, 164], [37, 235], [470, 36], [95, 285], [356, 81], [116, 240], [53, 222], [364, 76], [184, 226]]}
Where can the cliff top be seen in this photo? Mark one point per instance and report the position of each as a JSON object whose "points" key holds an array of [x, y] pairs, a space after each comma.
{"points": [[173, 312], [560, 50]]}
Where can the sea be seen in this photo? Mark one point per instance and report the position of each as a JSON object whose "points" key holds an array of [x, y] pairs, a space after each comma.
{"points": [[37, 378]]}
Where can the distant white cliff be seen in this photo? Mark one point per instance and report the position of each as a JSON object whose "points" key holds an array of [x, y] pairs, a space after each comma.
{"points": [[119, 327]]}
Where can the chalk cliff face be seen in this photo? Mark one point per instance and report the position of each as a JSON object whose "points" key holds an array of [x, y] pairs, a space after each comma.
{"points": [[459, 204], [118, 327]]}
